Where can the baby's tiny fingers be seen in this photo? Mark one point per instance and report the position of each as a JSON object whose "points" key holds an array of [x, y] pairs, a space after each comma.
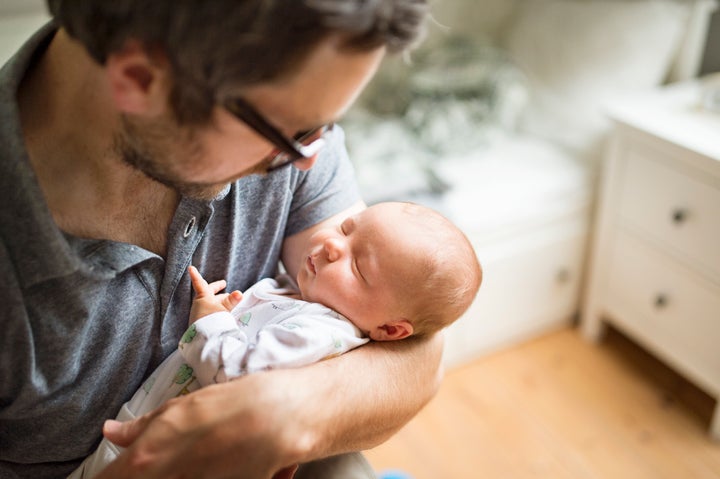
{"points": [[217, 286], [232, 300], [198, 282]]}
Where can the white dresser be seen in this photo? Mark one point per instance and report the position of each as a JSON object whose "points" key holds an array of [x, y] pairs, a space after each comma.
{"points": [[525, 206], [654, 270]]}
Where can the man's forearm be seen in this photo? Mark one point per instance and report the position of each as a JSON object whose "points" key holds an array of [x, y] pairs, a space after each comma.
{"points": [[360, 399], [259, 424]]}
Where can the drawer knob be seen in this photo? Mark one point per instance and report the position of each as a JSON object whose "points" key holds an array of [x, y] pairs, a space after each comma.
{"points": [[679, 216], [562, 276], [661, 300]]}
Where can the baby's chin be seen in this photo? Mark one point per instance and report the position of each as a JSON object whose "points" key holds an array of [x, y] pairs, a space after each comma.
{"points": [[306, 294], [300, 280]]}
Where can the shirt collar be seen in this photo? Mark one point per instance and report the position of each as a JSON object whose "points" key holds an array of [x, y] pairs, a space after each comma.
{"points": [[38, 248], [35, 244]]}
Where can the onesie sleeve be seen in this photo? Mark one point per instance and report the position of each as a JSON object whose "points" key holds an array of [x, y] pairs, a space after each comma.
{"points": [[218, 350], [214, 347]]}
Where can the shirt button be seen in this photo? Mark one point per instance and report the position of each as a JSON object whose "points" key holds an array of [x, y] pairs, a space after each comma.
{"points": [[189, 227]]}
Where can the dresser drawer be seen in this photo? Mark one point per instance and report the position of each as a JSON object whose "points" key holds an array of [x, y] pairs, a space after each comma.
{"points": [[676, 209], [531, 284], [666, 307]]}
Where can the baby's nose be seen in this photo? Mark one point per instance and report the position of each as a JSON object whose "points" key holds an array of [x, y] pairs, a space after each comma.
{"points": [[335, 248]]}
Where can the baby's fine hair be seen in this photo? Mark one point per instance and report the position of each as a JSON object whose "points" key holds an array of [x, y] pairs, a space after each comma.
{"points": [[449, 274]]}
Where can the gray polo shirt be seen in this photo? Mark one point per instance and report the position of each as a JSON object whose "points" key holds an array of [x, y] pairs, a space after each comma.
{"points": [[85, 321]]}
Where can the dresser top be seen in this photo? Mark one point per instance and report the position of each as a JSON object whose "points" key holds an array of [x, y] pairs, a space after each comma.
{"points": [[674, 113]]}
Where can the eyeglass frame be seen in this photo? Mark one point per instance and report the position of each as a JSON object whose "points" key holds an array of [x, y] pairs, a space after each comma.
{"points": [[291, 149]]}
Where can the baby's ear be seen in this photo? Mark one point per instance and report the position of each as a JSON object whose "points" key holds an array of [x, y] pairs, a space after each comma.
{"points": [[392, 331]]}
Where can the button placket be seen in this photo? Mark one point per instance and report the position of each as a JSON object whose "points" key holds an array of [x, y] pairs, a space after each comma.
{"points": [[190, 223]]}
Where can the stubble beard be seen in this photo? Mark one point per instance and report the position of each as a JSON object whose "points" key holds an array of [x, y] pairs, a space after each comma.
{"points": [[150, 147]]}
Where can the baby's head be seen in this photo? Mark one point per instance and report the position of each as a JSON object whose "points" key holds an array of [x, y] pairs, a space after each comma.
{"points": [[394, 270]]}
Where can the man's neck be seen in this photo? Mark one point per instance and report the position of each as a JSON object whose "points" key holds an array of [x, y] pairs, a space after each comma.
{"points": [[68, 120]]}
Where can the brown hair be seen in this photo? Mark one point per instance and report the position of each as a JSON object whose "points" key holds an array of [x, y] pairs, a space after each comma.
{"points": [[448, 273], [216, 45]]}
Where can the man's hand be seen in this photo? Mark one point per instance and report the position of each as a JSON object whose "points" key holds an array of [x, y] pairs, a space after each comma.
{"points": [[237, 429], [262, 424], [207, 298]]}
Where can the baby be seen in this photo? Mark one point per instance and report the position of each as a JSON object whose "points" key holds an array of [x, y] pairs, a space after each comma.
{"points": [[392, 271]]}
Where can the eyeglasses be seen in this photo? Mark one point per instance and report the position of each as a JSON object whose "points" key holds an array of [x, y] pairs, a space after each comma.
{"points": [[303, 145]]}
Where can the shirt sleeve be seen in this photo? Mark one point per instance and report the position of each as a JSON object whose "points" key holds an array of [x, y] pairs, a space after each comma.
{"points": [[214, 347], [326, 189]]}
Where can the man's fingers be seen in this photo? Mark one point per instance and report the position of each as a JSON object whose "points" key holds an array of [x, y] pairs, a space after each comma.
{"points": [[124, 434], [286, 473]]}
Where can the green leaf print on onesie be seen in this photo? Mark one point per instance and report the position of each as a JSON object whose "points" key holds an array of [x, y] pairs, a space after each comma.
{"points": [[189, 334], [245, 318], [184, 373], [147, 385]]}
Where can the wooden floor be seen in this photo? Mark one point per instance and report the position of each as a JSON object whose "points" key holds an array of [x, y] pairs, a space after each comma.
{"points": [[559, 407]]}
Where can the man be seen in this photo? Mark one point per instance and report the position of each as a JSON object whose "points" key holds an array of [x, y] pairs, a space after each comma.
{"points": [[129, 135]]}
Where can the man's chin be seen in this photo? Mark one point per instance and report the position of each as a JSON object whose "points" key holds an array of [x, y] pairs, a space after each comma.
{"points": [[199, 192], [196, 191]]}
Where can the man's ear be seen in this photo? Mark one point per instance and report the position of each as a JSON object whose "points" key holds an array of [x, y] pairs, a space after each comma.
{"points": [[392, 331], [139, 81]]}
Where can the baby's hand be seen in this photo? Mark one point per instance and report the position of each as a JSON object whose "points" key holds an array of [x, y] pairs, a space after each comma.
{"points": [[207, 300]]}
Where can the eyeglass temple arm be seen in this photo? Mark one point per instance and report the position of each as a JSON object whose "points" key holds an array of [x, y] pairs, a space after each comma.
{"points": [[259, 124]]}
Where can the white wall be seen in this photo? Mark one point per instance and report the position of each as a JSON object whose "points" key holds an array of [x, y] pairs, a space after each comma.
{"points": [[486, 18], [18, 20], [711, 60]]}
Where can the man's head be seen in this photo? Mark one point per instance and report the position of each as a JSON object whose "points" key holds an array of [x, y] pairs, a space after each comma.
{"points": [[173, 66], [215, 47], [395, 269]]}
